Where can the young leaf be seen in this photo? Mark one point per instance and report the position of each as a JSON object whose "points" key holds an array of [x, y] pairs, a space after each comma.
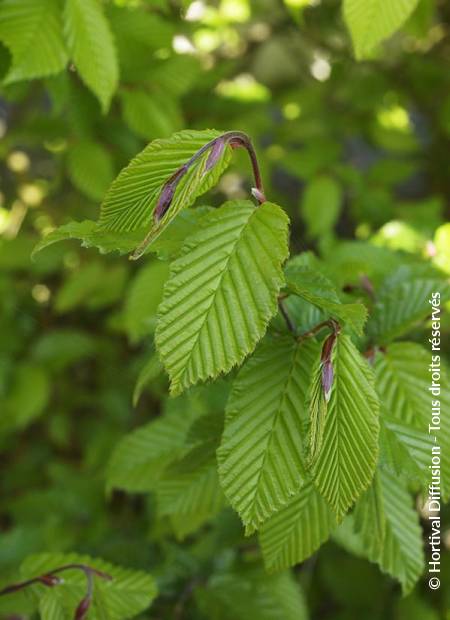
{"points": [[132, 197], [124, 596], [260, 457], [346, 461], [372, 21], [390, 529], [31, 29], [297, 530], [92, 48], [318, 405], [402, 381], [222, 292], [319, 291]]}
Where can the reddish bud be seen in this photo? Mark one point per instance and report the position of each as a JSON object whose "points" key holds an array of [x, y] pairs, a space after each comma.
{"points": [[167, 193], [327, 348], [50, 580], [215, 153], [257, 193], [82, 609], [164, 201], [327, 379]]}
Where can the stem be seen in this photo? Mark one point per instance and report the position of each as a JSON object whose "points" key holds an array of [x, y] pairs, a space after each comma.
{"points": [[49, 579], [239, 138], [286, 316], [331, 323]]}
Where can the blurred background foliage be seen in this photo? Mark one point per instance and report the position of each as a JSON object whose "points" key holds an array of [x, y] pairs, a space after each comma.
{"points": [[352, 150]]}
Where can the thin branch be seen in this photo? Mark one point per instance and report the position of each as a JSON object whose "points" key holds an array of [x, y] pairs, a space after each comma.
{"points": [[330, 323], [286, 316], [50, 580]]}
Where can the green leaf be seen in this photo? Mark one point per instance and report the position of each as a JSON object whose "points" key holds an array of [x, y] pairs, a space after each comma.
{"points": [[404, 449], [372, 21], [127, 594], [149, 372], [91, 237], [346, 461], [222, 292], [130, 201], [251, 593], [189, 491], [321, 204], [176, 75], [297, 530], [78, 287], [318, 406], [90, 168], [31, 29], [27, 398], [402, 381], [315, 288], [150, 115], [92, 48], [390, 530], [168, 245], [140, 458], [403, 302], [260, 457], [142, 299], [60, 348]]}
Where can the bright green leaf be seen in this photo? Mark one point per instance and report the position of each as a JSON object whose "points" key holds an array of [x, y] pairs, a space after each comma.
{"points": [[297, 530], [372, 21], [222, 292], [91, 46], [31, 29], [261, 454]]}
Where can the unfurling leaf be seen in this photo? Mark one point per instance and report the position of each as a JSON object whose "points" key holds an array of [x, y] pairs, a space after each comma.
{"points": [[344, 466]]}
